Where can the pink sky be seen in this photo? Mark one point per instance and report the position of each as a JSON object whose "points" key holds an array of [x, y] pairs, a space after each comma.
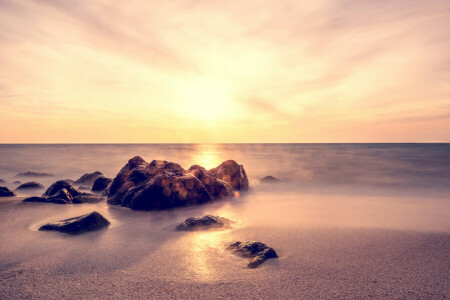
{"points": [[224, 71]]}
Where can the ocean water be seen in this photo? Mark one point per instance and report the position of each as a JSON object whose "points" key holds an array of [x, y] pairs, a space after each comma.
{"points": [[413, 169], [347, 220]]}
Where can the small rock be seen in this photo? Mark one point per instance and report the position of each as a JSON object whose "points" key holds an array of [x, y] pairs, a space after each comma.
{"points": [[35, 199], [204, 222], [61, 197], [88, 178], [59, 185], [77, 225], [17, 182], [256, 251], [2, 181], [34, 174], [30, 186], [101, 183], [5, 192], [269, 179]]}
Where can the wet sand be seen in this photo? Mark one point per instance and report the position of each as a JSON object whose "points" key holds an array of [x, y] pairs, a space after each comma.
{"points": [[349, 256]]}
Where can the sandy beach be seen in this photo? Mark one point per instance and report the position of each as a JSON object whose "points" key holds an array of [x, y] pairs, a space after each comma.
{"points": [[354, 255]]}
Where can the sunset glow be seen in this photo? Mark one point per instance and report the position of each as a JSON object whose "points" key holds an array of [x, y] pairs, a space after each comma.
{"points": [[233, 71]]}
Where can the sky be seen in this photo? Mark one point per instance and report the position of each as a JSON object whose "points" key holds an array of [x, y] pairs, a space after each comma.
{"points": [[265, 71]]}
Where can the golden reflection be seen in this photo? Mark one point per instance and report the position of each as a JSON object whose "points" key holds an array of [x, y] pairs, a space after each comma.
{"points": [[207, 156], [205, 248]]}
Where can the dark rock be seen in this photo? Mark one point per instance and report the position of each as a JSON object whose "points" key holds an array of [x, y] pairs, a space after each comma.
{"points": [[35, 199], [88, 178], [161, 184], [86, 198], [77, 225], [61, 197], [101, 183], [215, 187], [59, 185], [34, 174], [83, 188], [256, 251], [232, 173], [5, 192], [17, 182], [269, 179], [30, 186], [2, 181], [105, 193], [204, 222]]}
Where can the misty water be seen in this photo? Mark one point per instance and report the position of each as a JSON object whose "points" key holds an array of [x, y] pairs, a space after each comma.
{"points": [[326, 193]]}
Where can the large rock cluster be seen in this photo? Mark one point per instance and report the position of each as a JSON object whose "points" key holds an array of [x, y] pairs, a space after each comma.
{"points": [[161, 184]]}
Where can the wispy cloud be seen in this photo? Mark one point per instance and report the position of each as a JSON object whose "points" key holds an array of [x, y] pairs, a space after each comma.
{"points": [[317, 71]]}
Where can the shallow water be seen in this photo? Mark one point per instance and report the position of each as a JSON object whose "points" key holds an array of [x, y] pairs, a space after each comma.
{"points": [[342, 213]]}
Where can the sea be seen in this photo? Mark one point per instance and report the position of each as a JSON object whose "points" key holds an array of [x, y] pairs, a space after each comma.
{"points": [[346, 220]]}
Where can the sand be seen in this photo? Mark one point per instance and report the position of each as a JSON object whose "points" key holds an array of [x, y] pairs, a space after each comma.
{"points": [[351, 256]]}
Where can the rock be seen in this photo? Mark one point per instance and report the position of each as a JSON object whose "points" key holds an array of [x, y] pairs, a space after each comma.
{"points": [[162, 184], [61, 197], [2, 181], [256, 251], [34, 174], [77, 225], [204, 222], [269, 179], [83, 188], [215, 187], [35, 199], [62, 192], [59, 185], [32, 185], [17, 182], [101, 183], [88, 178], [86, 198], [5, 192], [70, 181], [232, 173]]}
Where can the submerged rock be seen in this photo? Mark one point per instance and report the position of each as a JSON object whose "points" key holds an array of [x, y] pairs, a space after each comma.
{"points": [[2, 181], [34, 174], [83, 188], [101, 183], [162, 184], [77, 225], [269, 179], [5, 192], [32, 185], [17, 182], [256, 251], [204, 222], [88, 178], [86, 198]]}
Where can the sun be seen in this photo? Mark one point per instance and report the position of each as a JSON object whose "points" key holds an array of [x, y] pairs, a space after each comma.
{"points": [[205, 99]]}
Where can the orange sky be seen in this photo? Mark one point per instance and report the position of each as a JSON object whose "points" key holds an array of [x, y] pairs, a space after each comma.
{"points": [[224, 71]]}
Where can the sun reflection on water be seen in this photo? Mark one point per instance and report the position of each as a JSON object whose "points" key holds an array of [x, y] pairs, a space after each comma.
{"points": [[207, 156]]}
